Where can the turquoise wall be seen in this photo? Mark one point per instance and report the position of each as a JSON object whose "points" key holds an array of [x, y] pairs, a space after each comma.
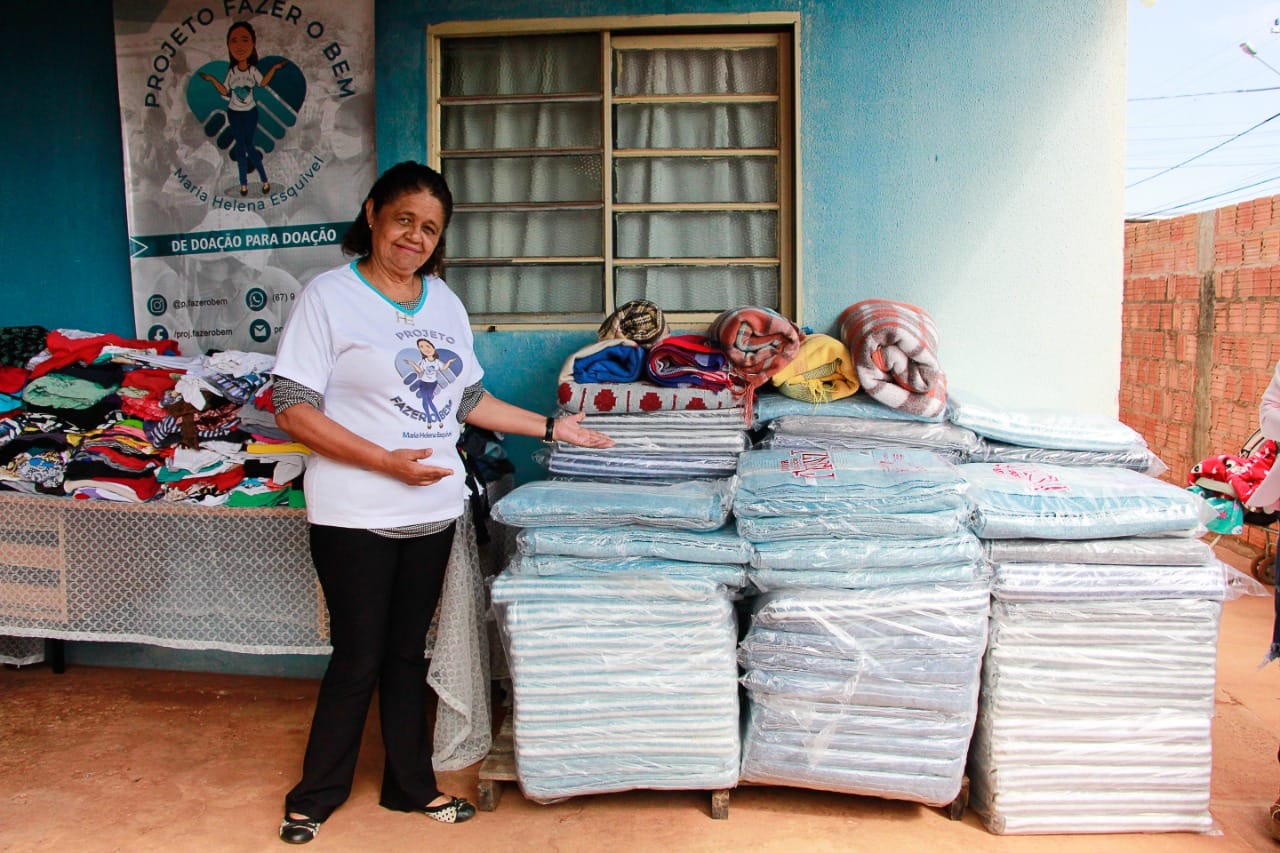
{"points": [[963, 156], [919, 119]]}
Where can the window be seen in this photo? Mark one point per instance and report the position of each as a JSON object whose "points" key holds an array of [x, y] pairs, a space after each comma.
{"points": [[597, 166]]}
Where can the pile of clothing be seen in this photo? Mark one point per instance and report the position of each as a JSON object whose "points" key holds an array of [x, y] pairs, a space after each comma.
{"points": [[97, 416]]}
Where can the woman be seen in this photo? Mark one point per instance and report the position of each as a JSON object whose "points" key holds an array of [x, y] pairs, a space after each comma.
{"points": [[1267, 497], [242, 108], [385, 483]]}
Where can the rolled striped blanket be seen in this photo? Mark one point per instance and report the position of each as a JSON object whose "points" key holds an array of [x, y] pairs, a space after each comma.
{"points": [[758, 341], [895, 354]]}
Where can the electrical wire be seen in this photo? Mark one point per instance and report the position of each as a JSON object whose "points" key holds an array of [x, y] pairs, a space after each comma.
{"points": [[1202, 153], [1173, 207], [1204, 94]]}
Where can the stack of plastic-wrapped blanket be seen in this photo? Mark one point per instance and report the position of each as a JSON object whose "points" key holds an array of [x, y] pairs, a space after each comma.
{"points": [[618, 620], [1098, 683], [862, 659], [657, 445]]}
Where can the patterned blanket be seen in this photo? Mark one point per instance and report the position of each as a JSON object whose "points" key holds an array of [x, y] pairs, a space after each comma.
{"points": [[895, 354], [758, 342]]}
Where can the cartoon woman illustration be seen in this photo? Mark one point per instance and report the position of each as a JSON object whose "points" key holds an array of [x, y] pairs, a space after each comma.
{"points": [[429, 373], [242, 109]]}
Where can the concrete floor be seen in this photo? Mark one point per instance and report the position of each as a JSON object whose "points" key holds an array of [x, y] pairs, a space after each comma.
{"points": [[121, 759]]}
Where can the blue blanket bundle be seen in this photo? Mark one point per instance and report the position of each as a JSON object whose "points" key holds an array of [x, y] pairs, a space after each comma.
{"points": [[1063, 430], [843, 482], [683, 505], [623, 678], [1029, 500], [713, 546], [869, 691], [1098, 683], [611, 361]]}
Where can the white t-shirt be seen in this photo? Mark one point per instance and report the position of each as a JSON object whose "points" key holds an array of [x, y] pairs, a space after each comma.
{"points": [[361, 351], [240, 86]]}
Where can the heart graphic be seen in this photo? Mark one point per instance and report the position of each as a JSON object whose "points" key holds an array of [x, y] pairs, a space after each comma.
{"points": [[278, 104]]}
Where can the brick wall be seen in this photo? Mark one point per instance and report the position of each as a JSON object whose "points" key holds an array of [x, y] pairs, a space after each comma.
{"points": [[1201, 329]]}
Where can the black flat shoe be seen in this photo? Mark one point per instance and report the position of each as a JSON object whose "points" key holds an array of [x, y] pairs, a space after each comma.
{"points": [[266, 187], [244, 190], [298, 830], [456, 810]]}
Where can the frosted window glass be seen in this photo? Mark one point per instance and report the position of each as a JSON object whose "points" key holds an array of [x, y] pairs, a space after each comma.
{"points": [[497, 126], [543, 288], [509, 180], [685, 288], [695, 126], [525, 234], [529, 65], [673, 180], [702, 234], [696, 71]]}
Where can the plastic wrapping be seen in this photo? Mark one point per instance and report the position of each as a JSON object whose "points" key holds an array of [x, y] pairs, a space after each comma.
{"points": [[682, 505], [722, 545], [953, 443], [621, 681], [835, 482], [870, 692], [1046, 428], [1106, 582], [770, 406], [1016, 501], [1137, 458], [949, 516], [553, 565], [614, 463], [866, 554], [1134, 551], [1095, 716], [767, 580]]}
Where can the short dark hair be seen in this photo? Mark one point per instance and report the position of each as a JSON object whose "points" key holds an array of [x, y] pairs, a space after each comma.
{"points": [[400, 179]]}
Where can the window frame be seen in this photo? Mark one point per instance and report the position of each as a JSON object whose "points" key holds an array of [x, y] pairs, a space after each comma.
{"points": [[675, 30]]}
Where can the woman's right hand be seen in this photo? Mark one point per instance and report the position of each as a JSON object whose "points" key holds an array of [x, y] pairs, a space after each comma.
{"points": [[408, 465]]}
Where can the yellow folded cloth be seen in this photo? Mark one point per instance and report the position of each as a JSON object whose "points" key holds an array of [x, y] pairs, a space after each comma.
{"points": [[822, 371]]}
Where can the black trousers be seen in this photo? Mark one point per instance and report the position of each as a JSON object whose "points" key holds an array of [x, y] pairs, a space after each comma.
{"points": [[381, 594]]}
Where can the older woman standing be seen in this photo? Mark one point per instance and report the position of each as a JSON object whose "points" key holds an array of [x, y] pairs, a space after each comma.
{"points": [[385, 483]]}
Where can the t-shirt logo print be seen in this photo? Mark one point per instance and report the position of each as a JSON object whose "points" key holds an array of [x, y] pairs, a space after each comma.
{"points": [[426, 370]]}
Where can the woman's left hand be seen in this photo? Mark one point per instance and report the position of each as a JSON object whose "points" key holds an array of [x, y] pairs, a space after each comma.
{"points": [[569, 429]]}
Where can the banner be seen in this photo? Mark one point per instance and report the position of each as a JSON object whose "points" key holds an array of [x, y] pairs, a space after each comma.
{"points": [[248, 147]]}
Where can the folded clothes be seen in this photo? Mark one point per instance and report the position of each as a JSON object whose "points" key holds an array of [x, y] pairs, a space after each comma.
{"points": [[605, 361], [895, 354], [688, 361], [821, 371]]}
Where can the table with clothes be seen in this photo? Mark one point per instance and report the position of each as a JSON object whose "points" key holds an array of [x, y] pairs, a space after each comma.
{"points": [[149, 497]]}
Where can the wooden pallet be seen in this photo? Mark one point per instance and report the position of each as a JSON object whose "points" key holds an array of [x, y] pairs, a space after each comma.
{"points": [[500, 767]]}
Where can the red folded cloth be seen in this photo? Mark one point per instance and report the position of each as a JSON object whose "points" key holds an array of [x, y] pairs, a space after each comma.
{"points": [[65, 350]]}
